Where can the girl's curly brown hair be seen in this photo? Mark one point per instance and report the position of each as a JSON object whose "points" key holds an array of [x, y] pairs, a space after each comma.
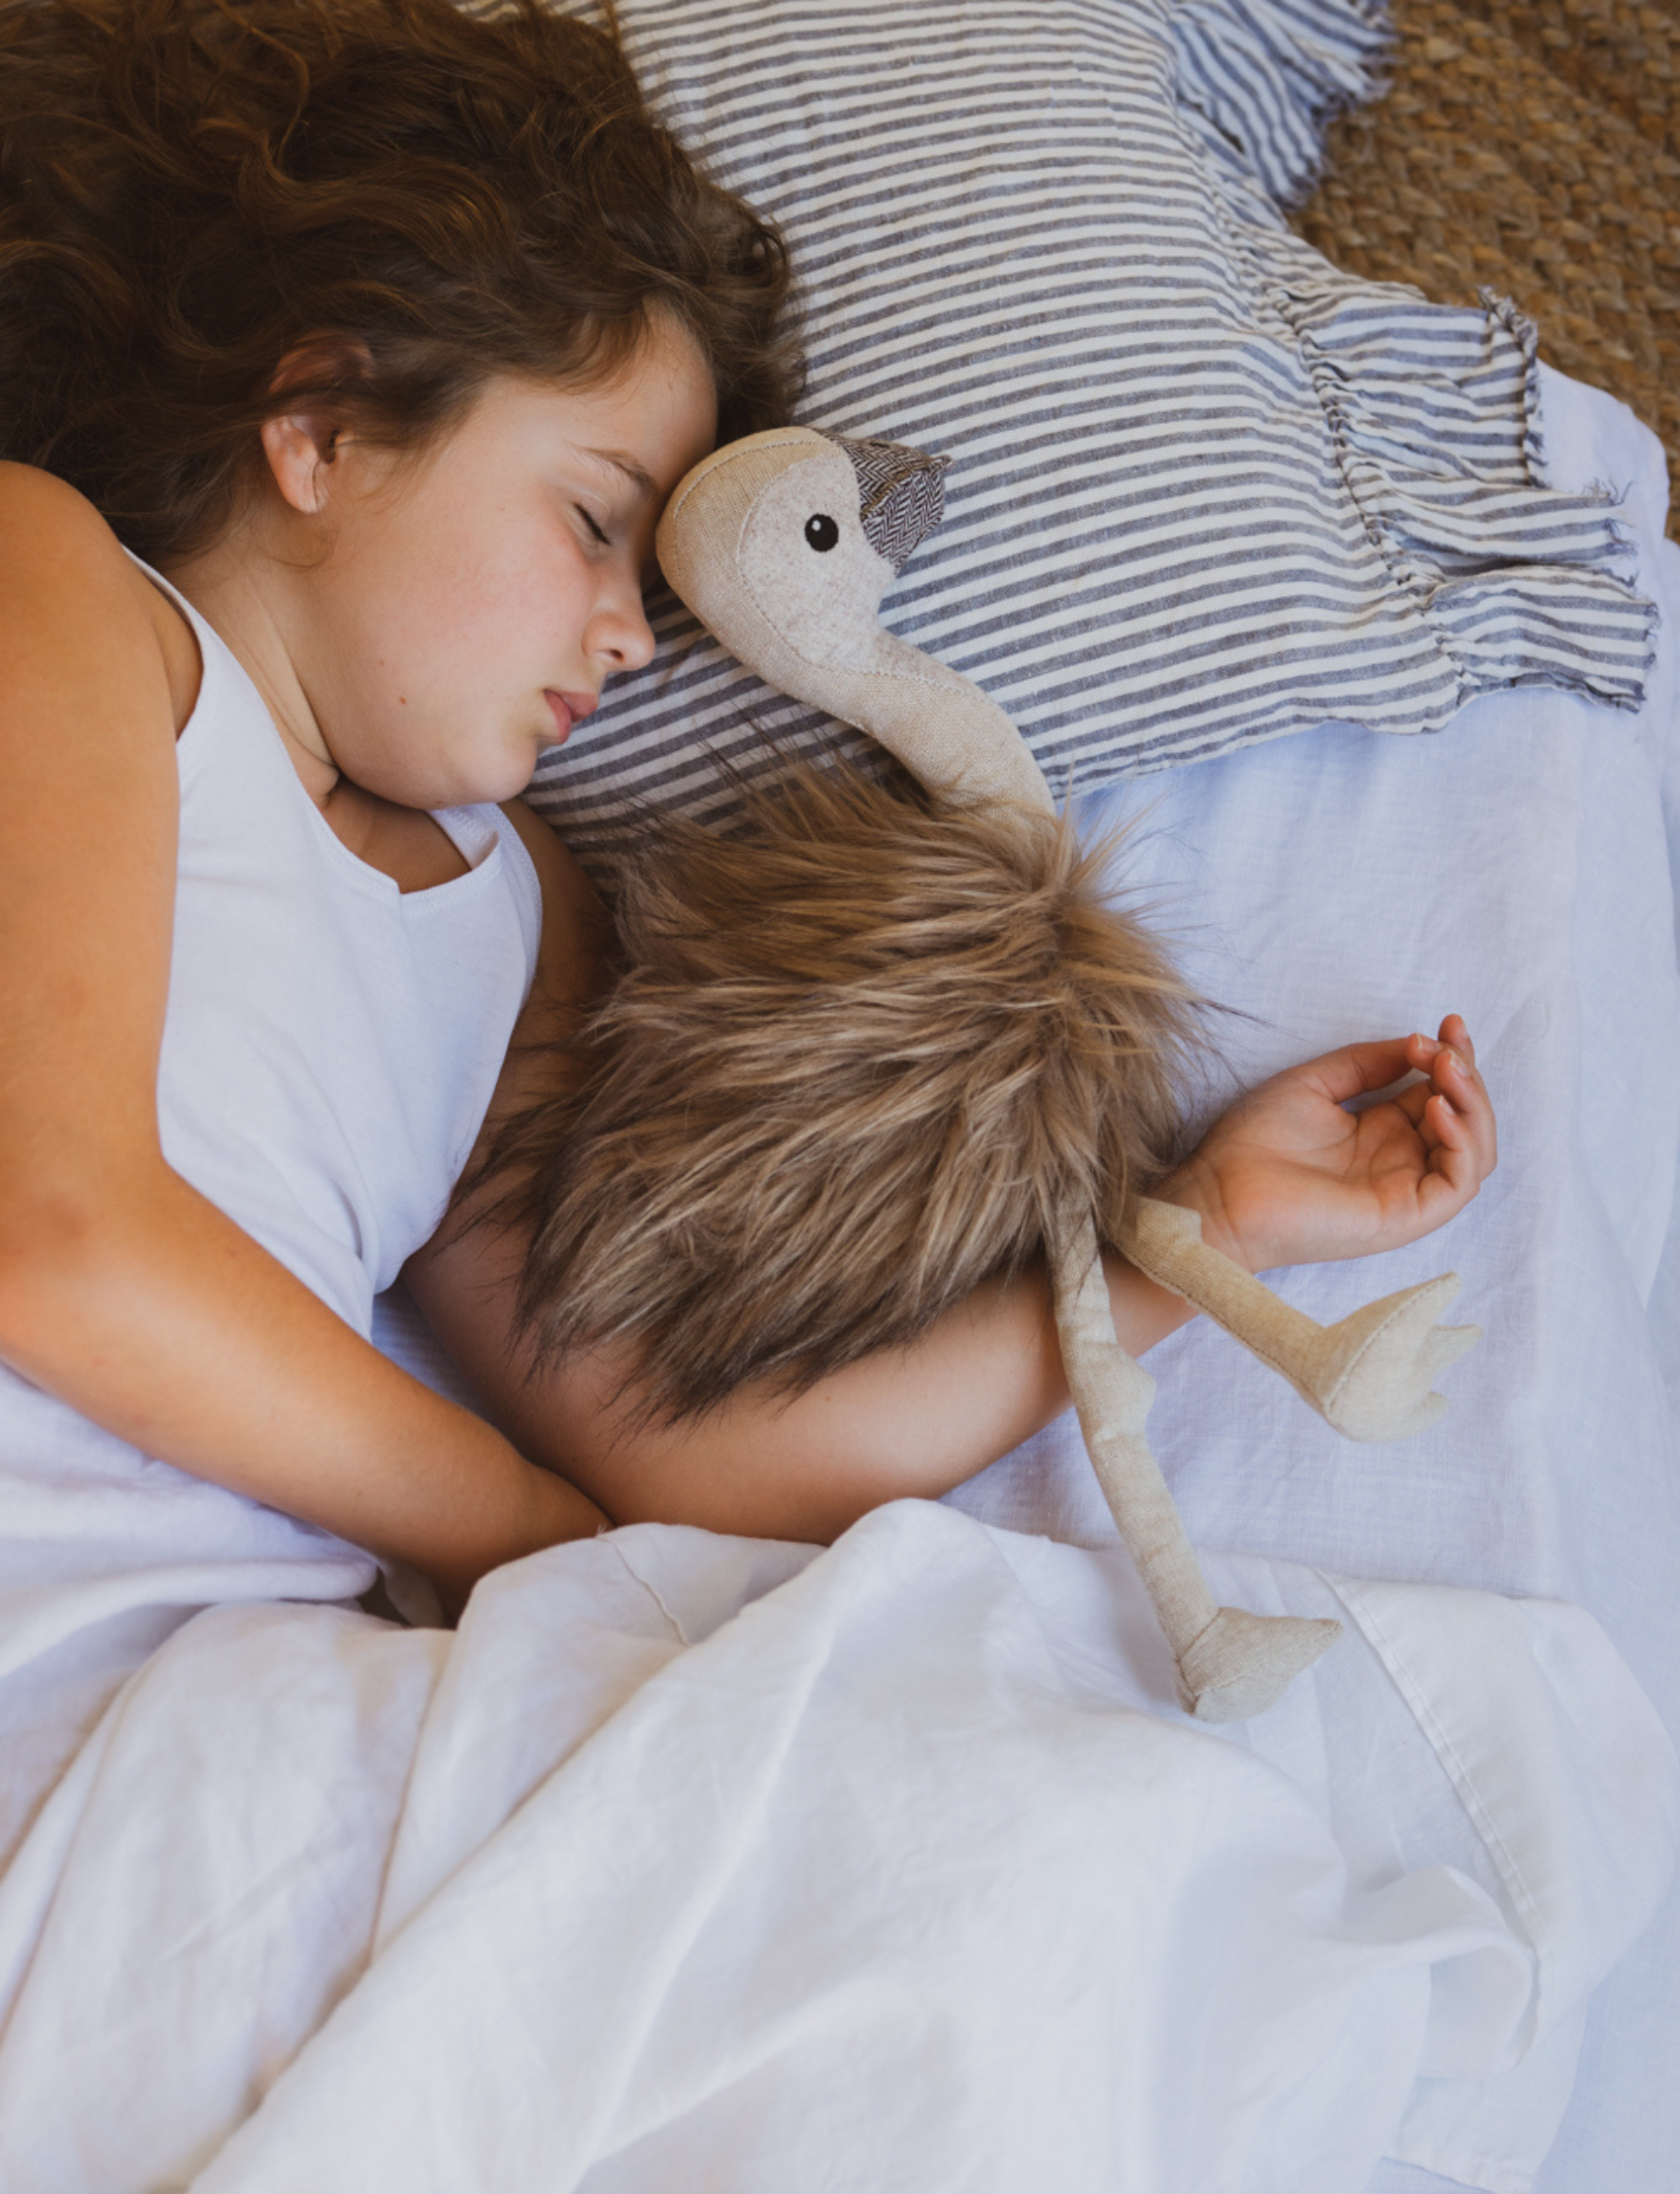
{"points": [[192, 190]]}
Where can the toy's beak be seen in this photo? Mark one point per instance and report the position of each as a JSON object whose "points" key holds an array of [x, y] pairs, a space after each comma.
{"points": [[900, 495]]}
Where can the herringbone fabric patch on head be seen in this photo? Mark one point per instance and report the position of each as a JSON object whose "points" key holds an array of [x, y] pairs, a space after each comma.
{"points": [[900, 496]]}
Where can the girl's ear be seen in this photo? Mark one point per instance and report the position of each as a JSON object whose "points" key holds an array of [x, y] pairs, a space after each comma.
{"points": [[302, 446]]}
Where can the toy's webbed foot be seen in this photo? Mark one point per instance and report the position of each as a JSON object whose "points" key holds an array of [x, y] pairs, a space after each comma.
{"points": [[1243, 1663], [1370, 1376], [1374, 1371]]}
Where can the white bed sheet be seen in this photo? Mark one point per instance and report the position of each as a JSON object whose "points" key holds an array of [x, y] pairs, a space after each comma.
{"points": [[1516, 869], [697, 1862], [1339, 885]]}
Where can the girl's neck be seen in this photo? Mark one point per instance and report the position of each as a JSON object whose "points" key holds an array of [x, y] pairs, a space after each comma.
{"points": [[404, 843], [238, 587]]}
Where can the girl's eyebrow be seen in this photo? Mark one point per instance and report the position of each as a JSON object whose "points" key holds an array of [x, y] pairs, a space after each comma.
{"points": [[641, 481]]}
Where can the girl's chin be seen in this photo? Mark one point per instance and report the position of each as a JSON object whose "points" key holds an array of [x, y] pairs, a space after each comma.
{"points": [[480, 772]]}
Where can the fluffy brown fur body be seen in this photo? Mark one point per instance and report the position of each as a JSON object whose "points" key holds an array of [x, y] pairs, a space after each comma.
{"points": [[859, 1056]]}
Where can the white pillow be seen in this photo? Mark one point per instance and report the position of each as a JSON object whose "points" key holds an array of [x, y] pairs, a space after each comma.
{"points": [[1205, 489]]}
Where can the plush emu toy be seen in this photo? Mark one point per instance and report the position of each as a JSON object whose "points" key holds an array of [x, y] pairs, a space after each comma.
{"points": [[867, 1050]]}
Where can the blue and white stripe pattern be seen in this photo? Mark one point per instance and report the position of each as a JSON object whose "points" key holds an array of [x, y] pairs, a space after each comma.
{"points": [[1204, 490]]}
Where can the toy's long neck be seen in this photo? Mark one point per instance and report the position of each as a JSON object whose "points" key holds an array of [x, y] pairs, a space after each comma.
{"points": [[946, 733]]}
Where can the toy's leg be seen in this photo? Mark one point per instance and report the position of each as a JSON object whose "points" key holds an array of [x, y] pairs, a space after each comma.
{"points": [[1231, 1664], [1370, 1375]]}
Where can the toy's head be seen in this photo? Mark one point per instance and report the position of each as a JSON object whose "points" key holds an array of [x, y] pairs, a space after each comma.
{"points": [[860, 1055], [783, 543]]}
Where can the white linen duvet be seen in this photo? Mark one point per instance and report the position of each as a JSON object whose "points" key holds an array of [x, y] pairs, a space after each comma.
{"points": [[696, 1863]]}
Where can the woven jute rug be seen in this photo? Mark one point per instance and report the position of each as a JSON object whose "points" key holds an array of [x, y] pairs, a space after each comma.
{"points": [[1535, 149]]}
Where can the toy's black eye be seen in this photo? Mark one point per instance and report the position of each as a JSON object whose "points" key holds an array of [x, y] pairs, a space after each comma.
{"points": [[821, 532]]}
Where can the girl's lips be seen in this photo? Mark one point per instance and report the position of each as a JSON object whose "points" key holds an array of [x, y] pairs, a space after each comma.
{"points": [[567, 708]]}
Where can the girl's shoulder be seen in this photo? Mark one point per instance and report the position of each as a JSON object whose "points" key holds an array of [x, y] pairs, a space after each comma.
{"points": [[575, 927], [54, 546]]}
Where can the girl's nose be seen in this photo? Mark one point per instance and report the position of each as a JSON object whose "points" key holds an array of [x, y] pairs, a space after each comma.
{"points": [[620, 636]]}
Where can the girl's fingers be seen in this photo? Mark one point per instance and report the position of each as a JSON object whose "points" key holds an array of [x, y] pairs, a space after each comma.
{"points": [[1454, 1032], [1450, 1126], [1453, 1175], [1468, 1105], [1460, 1084], [1421, 1052], [1411, 1101], [1359, 1069]]}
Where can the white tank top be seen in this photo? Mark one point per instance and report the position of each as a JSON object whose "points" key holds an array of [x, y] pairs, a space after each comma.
{"points": [[329, 1050]]}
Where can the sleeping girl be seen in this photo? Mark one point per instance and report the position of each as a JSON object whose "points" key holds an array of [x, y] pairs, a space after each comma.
{"points": [[348, 354]]}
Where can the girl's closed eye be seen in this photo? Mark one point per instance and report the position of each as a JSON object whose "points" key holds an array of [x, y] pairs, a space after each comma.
{"points": [[595, 531]]}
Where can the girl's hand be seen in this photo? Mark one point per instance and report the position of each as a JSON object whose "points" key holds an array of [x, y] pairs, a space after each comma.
{"points": [[1289, 1177]]}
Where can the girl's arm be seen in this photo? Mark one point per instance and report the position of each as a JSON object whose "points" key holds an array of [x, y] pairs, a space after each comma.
{"points": [[1286, 1176], [122, 1290], [915, 1422]]}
